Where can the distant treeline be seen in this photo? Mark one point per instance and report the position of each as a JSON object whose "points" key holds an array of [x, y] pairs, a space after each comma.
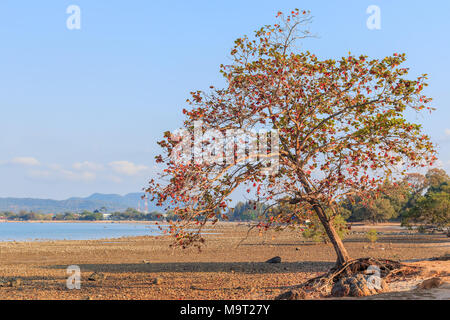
{"points": [[97, 215], [421, 199]]}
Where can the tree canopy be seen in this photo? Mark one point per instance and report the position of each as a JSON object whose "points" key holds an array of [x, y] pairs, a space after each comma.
{"points": [[340, 125], [433, 207]]}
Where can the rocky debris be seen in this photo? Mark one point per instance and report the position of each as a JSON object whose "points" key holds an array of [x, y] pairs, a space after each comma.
{"points": [[297, 294], [276, 259], [157, 281], [430, 283], [97, 276], [14, 283], [357, 286]]}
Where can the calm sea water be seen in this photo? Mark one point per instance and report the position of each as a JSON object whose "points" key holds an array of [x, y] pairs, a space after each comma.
{"points": [[25, 231]]}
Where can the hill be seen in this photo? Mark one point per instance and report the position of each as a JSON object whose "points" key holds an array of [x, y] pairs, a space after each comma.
{"points": [[112, 202]]}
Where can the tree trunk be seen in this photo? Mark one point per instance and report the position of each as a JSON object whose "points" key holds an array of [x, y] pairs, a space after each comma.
{"points": [[341, 252]]}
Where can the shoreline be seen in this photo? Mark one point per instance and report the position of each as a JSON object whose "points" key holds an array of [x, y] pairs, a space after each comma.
{"points": [[43, 231], [225, 269], [82, 221], [146, 230]]}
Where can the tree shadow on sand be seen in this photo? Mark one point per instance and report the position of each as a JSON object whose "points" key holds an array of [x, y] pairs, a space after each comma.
{"points": [[416, 239], [238, 267], [383, 238]]}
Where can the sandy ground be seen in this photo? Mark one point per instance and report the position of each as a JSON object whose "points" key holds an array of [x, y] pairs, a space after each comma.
{"points": [[406, 289], [221, 271]]}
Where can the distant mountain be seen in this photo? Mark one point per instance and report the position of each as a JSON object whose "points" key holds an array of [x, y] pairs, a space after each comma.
{"points": [[112, 202]]}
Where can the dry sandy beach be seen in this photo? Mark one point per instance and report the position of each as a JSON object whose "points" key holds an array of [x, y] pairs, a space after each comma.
{"points": [[221, 271]]}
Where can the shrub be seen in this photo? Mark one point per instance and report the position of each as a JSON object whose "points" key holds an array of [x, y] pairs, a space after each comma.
{"points": [[316, 232], [421, 229], [372, 235]]}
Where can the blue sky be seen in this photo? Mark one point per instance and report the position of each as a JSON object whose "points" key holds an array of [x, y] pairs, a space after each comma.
{"points": [[81, 110]]}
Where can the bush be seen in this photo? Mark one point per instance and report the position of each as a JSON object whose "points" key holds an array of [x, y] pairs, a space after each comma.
{"points": [[421, 229], [316, 232], [91, 216], [372, 235]]}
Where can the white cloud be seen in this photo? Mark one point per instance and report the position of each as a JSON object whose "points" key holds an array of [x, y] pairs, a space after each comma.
{"points": [[25, 161], [446, 164], [438, 164], [127, 167], [55, 167], [77, 176], [87, 165], [114, 179], [57, 172], [84, 171], [447, 132], [40, 173]]}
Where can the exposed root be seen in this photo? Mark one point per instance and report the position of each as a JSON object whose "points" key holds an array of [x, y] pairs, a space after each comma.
{"points": [[388, 269]]}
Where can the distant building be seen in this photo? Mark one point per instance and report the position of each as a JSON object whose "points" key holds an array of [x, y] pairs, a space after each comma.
{"points": [[106, 216]]}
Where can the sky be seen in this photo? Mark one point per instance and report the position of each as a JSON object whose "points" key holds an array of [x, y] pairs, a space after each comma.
{"points": [[81, 109]]}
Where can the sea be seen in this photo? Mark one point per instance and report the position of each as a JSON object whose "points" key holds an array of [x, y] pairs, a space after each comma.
{"points": [[41, 231]]}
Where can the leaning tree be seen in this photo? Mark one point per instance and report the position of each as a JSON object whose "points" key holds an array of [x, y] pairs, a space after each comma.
{"points": [[339, 125]]}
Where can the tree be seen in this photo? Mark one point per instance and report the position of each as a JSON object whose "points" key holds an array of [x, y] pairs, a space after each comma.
{"points": [[91, 216], [435, 178], [340, 126], [27, 215], [386, 204], [433, 208], [133, 214], [69, 216], [314, 229], [416, 186], [248, 211], [376, 210]]}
